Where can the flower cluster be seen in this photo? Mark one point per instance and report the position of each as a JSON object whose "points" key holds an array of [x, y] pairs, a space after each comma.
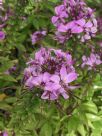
{"points": [[11, 70], [4, 16], [92, 61], [2, 35], [52, 71], [74, 17], [37, 36]]}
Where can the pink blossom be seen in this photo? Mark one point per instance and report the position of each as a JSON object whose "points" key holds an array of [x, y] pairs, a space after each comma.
{"points": [[2, 35], [52, 71], [4, 15], [37, 36], [92, 61], [10, 70], [74, 17]]}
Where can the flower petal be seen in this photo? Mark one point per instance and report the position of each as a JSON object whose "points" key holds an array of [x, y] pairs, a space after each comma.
{"points": [[62, 28], [55, 78], [89, 24], [63, 72], [71, 77], [63, 93], [46, 77], [81, 22], [77, 29], [54, 19]]}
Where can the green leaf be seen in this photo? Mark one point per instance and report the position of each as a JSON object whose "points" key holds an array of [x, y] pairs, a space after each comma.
{"points": [[81, 130], [71, 134], [92, 117], [7, 78], [20, 47], [46, 130], [10, 100], [89, 107], [98, 125], [54, 1], [5, 106], [96, 132], [73, 123]]}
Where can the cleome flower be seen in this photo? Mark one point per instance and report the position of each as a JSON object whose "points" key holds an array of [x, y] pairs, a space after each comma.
{"points": [[37, 36], [2, 35], [11, 70], [74, 18], [92, 61], [52, 71]]}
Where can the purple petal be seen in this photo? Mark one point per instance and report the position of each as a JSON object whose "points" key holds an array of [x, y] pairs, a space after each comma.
{"points": [[95, 22], [45, 95], [46, 77], [2, 35], [43, 33], [71, 77], [55, 78], [84, 58], [63, 93], [81, 22], [63, 72], [37, 80], [63, 14], [52, 86], [77, 29], [89, 24], [29, 83], [49, 96], [54, 19], [62, 28], [93, 29], [70, 25], [59, 9]]}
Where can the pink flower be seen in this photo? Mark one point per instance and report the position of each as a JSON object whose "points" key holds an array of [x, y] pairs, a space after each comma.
{"points": [[52, 71], [74, 17], [61, 38], [37, 36], [4, 15], [60, 11], [2, 35], [92, 61], [10, 70]]}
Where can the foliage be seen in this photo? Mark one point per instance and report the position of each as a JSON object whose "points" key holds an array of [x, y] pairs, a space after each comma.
{"points": [[22, 112]]}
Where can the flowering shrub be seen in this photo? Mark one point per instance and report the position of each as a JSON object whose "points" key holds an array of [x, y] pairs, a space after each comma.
{"points": [[50, 68]]}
